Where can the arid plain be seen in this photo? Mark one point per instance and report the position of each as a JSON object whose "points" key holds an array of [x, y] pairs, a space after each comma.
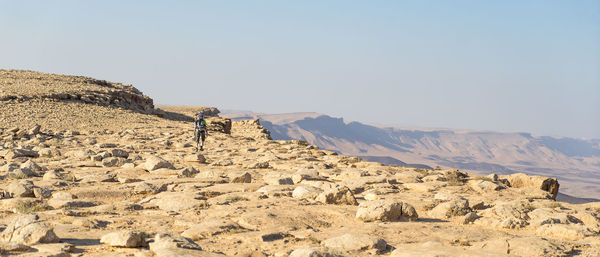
{"points": [[92, 168]]}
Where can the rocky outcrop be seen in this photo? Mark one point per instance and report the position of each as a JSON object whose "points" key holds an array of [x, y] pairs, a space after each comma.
{"points": [[250, 128], [25, 86], [521, 180]]}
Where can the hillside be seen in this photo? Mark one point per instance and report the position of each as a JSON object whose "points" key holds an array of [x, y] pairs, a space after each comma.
{"points": [[142, 190], [575, 162]]}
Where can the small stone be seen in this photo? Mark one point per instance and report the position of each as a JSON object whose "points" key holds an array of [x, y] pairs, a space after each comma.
{"points": [[187, 172], [119, 153], [278, 180], [241, 178], [469, 218]]}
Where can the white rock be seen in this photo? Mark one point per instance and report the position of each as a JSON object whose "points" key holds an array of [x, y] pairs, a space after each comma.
{"points": [[386, 210], [306, 192], [27, 229], [125, 238], [154, 163]]}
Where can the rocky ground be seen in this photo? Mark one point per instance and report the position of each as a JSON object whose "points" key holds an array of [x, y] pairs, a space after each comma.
{"points": [[131, 184]]}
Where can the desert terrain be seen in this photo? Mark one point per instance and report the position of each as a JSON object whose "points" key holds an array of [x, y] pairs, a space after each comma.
{"points": [[575, 162], [93, 168]]}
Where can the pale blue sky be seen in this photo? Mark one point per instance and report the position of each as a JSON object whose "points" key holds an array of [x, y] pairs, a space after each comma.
{"points": [[522, 66]]}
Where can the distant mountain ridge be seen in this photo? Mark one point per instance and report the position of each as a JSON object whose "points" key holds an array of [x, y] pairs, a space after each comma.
{"points": [[576, 162]]}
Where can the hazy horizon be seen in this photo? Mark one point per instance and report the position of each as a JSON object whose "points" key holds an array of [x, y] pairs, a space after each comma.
{"points": [[510, 66]]}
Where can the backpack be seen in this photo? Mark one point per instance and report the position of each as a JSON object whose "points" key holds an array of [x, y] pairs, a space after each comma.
{"points": [[198, 124]]}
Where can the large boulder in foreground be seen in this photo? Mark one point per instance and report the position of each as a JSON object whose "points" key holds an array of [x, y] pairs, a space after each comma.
{"points": [[521, 180], [386, 210], [28, 230]]}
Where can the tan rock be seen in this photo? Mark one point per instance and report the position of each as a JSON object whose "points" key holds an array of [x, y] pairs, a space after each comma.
{"points": [[385, 210], [339, 195], [124, 238], [521, 180], [28, 229], [353, 243], [153, 163]]}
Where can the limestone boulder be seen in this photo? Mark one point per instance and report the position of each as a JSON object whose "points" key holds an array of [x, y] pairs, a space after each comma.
{"points": [[154, 163], [119, 153], [124, 238], [386, 210], [21, 188], [113, 162], [457, 207], [240, 177], [17, 153], [28, 230], [306, 192], [484, 186], [30, 164], [521, 180], [338, 195]]}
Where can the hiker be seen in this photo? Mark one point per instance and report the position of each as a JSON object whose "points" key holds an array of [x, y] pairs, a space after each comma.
{"points": [[200, 131]]}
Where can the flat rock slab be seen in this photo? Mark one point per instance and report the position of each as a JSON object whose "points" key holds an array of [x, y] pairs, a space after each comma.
{"points": [[210, 228], [352, 242]]}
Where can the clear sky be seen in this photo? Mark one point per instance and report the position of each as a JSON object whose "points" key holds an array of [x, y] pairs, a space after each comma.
{"points": [[517, 66]]}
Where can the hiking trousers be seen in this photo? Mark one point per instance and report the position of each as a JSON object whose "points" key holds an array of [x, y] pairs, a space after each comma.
{"points": [[200, 134]]}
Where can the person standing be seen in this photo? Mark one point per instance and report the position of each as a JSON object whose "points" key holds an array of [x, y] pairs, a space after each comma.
{"points": [[200, 131]]}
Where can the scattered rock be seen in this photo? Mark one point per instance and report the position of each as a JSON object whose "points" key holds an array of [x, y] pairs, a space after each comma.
{"points": [[386, 210], [243, 177], [125, 238], [195, 158], [154, 163], [28, 230], [113, 162], [306, 192], [278, 180], [21, 188], [458, 207], [339, 195], [309, 252], [351, 243]]}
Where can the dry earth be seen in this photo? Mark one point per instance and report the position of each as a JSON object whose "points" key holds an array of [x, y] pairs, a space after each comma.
{"points": [[115, 179]]}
